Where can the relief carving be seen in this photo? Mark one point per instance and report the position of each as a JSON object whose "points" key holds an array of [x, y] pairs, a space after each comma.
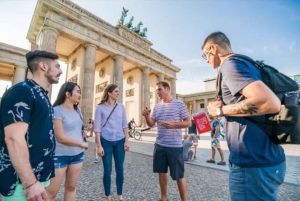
{"points": [[129, 92], [73, 79], [101, 87]]}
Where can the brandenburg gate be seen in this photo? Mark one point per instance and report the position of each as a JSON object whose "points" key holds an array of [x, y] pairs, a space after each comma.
{"points": [[98, 54]]}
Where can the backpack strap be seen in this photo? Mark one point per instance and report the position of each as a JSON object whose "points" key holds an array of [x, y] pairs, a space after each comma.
{"points": [[261, 125]]}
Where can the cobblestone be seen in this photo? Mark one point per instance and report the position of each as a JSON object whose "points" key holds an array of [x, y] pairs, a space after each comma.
{"points": [[207, 182]]}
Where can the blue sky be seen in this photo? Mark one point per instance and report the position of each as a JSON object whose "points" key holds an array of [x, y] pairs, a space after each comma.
{"points": [[266, 30]]}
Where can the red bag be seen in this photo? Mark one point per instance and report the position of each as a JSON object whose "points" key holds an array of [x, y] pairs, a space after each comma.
{"points": [[201, 122]]}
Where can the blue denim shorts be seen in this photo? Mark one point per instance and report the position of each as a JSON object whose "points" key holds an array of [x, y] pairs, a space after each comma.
{"points": [[64, 161]]}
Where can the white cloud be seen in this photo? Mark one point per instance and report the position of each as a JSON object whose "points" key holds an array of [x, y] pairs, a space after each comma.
{"points": [[292, 45]]}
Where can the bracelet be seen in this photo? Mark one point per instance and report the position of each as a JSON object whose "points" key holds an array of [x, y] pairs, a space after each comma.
{"points": [[24, 188]]}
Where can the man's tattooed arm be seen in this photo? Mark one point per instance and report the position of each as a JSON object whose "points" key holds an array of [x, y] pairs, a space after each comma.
{"points": [[243, 107]]}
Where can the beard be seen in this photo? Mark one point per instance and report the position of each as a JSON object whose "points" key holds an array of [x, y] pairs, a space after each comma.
{"points": [[50, 78]]}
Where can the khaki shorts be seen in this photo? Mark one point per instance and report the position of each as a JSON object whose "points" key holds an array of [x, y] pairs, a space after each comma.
{"points": [[218, 145]]}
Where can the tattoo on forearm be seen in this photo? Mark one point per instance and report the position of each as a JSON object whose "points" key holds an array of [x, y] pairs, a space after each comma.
{"points": [[244, 107]]}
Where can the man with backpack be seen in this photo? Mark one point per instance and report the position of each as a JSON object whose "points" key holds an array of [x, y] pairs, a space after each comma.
{"points": [[257, 165]]}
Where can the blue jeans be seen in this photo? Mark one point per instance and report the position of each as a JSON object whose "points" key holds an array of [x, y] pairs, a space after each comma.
{"points": [[116, 149], [255, 184]]}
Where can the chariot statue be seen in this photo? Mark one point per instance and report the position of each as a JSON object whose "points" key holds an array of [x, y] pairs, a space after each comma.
{"points": [[143, 32], [129, 24], [137, 28], [124, 14]]}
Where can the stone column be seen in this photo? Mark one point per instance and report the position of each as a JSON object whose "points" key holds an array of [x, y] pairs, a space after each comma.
{"points": [[173, 87], [146, 90], [205, 104], [161, 77], [48, 43], [48, 39], [119, 75], [88, 83], [194, 107], [19, 74]]}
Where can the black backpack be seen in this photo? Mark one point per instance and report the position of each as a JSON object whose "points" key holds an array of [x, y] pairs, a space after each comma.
{"points": [[284, 126]]}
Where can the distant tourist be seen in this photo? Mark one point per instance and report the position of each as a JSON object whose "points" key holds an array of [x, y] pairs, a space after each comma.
{"points": [[193, 137], [27, 140], [70, 144], [131, 125], [188, 151], [216, 135], [171, 116], [253, 156], [96, 159], [111, 131]]}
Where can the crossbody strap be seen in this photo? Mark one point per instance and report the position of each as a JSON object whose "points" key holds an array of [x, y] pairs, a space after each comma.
{"points": [[109, 115]]}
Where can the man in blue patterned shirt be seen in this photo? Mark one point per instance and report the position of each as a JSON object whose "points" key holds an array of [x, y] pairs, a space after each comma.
{"points": [[26, 131]]}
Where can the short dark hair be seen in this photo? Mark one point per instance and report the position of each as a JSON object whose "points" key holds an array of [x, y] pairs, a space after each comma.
{"points": [[164, 84], [218, 38], [35, 57]]}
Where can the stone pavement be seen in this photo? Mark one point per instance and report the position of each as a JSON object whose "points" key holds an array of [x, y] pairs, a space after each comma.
{"points": [[206, 182], [204, 153]]}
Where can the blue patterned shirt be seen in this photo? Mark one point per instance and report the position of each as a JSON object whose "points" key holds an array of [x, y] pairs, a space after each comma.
{"points": [[27, 102]]}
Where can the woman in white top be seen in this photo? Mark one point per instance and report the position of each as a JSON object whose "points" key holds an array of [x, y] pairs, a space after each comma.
{"points": [[70, 144]]}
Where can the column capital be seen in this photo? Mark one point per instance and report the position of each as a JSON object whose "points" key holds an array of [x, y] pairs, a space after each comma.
{"points": [[145, 69], [90, 45], [50, 28], [117, 56]]}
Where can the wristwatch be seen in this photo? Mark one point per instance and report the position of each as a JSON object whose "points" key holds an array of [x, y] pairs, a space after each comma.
{"points": [[219, 111]]}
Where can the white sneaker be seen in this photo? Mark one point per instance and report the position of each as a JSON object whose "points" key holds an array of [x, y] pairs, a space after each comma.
{"points": [[96, 160]]}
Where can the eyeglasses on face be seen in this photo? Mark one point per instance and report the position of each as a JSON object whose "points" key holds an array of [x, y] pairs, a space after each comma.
{"points": [[205, 53]]}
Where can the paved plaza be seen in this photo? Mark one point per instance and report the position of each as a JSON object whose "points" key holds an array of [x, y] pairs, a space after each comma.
{"points": [[207, 182]]}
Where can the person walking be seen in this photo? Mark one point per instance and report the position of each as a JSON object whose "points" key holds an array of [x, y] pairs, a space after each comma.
{"points": [[96, 159], [171, 116], [110, 127], [253, 156], [70, 144], [27, 141], [215, 142], [193, 137]]}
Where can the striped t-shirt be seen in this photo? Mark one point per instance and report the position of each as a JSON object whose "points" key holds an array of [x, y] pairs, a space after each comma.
{"points": [[173, 111]]}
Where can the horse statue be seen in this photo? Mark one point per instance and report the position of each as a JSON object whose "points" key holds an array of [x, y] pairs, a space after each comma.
{"points": [[143, 32], [137, 28], [124, 14], [129, 24]]}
